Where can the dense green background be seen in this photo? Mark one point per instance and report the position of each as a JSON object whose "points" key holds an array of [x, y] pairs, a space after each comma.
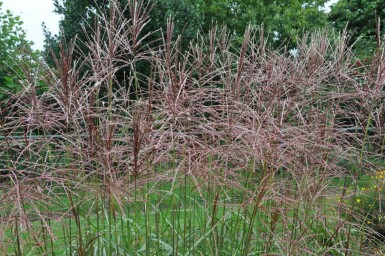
{"points": [[284, 21]]}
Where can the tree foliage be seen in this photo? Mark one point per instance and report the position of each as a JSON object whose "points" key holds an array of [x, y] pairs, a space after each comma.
{"points": [[360, 17], [14, 49], [82, 14], [283, 19]]}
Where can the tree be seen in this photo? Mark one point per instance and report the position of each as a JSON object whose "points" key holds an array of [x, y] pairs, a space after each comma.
{"points": [[14, 49], [283, 19], [79, 14], [359, 16]]}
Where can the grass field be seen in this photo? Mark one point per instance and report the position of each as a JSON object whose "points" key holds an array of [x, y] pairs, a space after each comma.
{"points": [[172, 218]]}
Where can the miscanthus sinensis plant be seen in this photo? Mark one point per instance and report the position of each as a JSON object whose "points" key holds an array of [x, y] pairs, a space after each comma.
{"points": [[216, 150]]}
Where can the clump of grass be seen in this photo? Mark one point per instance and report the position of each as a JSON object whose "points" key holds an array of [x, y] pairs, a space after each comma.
{"points": [[214, 150]]}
